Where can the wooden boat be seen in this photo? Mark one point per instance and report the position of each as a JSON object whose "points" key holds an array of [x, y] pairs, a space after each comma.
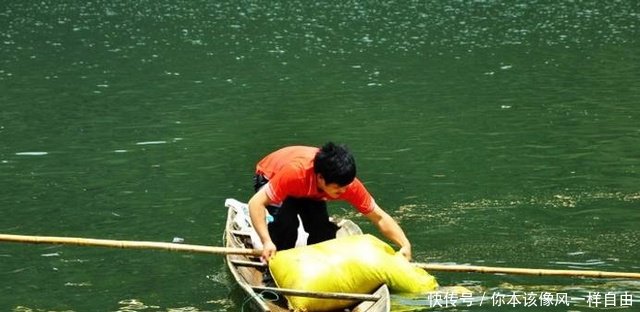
{"points": [[248, 270]]}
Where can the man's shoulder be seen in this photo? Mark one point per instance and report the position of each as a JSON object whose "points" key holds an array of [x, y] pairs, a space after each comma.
{"points": [[298, 149], [297, 170], [298, 157], [287, 158]]}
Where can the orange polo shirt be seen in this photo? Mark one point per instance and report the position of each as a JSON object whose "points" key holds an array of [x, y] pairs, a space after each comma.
{"points": [[290, 174]]}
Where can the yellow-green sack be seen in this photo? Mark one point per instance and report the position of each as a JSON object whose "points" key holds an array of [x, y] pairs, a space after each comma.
{"points": [[352, 264]]}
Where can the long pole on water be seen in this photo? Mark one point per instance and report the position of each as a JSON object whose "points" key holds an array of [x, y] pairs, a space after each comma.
{"points": [[524, 271], [254, 252], [126, 244]]}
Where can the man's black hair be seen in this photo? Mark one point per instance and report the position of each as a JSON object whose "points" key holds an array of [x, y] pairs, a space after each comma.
{"points": [[336, 164]]}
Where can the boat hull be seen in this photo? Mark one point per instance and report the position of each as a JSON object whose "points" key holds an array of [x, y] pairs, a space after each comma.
{"points": [[248, 271]]}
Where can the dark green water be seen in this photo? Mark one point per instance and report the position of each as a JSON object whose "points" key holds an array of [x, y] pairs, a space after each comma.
{"points": [[503, 133]]}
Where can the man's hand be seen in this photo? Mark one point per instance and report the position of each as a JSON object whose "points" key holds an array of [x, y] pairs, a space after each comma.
{"points": [[268, 251], [406, 252], [390, 229], [257, 211]]}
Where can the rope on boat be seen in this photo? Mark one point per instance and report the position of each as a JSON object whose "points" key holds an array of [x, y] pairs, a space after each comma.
{"points": [[261, 296]]}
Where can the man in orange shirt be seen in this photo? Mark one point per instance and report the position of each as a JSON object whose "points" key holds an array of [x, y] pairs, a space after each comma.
{"points": [[298, 180]]}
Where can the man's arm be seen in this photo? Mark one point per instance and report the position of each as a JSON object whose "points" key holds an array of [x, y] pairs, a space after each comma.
{"points": [[390, 229], [257, 211]]}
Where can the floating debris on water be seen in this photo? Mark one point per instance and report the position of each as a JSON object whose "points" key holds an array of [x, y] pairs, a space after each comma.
{"points": [[151, 142], [576, 253], [134, 305], [81, 284], [54, 254]]}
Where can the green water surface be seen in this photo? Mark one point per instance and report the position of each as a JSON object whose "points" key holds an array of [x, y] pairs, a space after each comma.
{"points": [[502, 133]]}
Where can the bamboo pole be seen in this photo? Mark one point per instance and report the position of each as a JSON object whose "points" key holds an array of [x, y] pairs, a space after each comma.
{"points": [[253, 252], [126, 244], [319, 294], [523, 271]]}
